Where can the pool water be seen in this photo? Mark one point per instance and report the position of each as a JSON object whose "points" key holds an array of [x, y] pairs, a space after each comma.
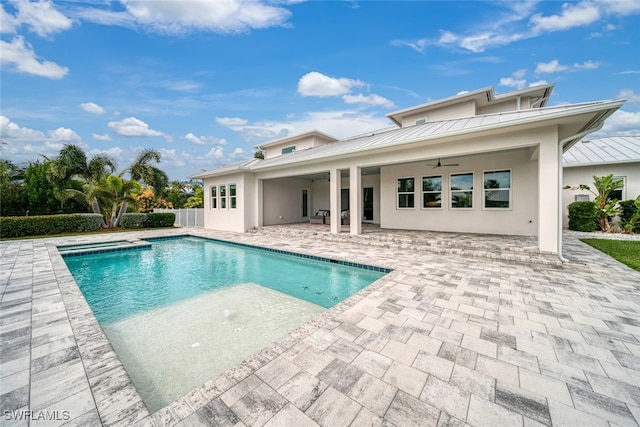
{"points": [[187, 309]]}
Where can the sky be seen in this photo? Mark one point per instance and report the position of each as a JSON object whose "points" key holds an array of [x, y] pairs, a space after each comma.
{"points": [[204, 82]]}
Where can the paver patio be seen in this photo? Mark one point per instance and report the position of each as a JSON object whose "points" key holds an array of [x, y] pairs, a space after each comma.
{"points": [[450, 337]]}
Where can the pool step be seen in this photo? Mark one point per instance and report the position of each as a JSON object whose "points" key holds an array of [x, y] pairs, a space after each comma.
{"points": [[97, 248]]}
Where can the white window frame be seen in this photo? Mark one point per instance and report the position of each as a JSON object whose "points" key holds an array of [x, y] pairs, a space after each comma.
{"points": [[429, 208], [399, 193], [223, 196], [233, 193], [213, 194], [509, 189], [623, 190], [452, 191]]}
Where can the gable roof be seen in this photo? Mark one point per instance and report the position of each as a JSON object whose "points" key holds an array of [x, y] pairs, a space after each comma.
{"points": [[294, 138], [597, 151], [482, 97]]}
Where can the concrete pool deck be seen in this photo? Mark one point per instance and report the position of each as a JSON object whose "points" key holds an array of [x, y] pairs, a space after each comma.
{"points": [[450, 337]]}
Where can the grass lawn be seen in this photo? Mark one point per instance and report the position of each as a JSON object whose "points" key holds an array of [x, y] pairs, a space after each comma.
{"points": [[625, 251]]}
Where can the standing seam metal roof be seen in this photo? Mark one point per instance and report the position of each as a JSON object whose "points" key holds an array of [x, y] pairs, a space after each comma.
{"points": [[613, 149]]}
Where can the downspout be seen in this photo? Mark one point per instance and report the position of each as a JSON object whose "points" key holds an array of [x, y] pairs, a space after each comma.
{"points": [[576, 136]]}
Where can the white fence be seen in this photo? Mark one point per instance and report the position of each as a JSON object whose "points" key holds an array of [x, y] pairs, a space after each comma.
{"points": [[191, 217]]}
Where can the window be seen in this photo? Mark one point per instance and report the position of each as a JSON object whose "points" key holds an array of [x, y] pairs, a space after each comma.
{"points": [[461, 185], [497, 189], [405, 192], [421, 121], [619, 193], [286, 150], [223, 197], [214, 197], [432, 191], [232, 196]]}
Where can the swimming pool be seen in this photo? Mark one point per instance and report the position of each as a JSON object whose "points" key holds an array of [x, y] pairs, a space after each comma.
{"points": [[189, 308]]}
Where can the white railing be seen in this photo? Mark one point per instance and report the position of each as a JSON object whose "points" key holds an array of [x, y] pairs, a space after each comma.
{"points": [[190, 217]]}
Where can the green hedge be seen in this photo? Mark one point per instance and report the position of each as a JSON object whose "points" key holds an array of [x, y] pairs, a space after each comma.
{"points": [[160, 219], [38, 225], [582, 216], [151, 219], [133, 220]]}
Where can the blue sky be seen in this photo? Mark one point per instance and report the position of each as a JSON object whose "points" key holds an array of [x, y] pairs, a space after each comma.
{"points": [[204, 82]]}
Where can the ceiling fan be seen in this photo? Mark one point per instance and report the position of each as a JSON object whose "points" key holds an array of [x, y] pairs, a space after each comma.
{"points": [[439, 165]]}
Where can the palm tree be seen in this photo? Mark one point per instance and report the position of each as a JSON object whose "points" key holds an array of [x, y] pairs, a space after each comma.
{"points": [[115, 192], [142, 170], [72, 165]]}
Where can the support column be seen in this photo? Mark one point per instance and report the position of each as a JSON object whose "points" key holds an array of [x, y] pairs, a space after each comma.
{"points": [[334, 199], [355, 200], [259, 202], [549, 185]]}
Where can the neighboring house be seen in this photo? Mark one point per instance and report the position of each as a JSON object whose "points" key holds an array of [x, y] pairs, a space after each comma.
{"points": [[617, 155], [475, 162]]}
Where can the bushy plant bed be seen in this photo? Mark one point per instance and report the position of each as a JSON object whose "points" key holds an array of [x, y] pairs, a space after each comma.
{"points": [[160, 219], [625, 251], [19, 226], [133, 220]]}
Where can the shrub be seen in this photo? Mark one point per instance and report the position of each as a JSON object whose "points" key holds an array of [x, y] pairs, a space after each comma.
{"points": [[19, 226], [133, 220], [160, 219], [627, 209], [582, 216]]}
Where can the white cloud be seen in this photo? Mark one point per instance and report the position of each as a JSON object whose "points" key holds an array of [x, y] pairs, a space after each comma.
{"points": [[98, 137], [512, 82], [133, 127], [515, 20], [41, 17], [554, 66], [318, 84], [629, 95], [11, 131], [231, 121], [372, 99], [573, 15], [180, 17], [18, 56], [538, 83], [621, 123], [215, 153], [64, 135], [91, 107], [203, 140], [238, 153], [340, 124]]}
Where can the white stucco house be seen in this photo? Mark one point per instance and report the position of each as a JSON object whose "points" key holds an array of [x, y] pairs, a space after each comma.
{"points": [[617, 155], [476, 162]]}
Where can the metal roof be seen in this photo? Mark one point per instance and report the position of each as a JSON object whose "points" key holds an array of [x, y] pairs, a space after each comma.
{"points": [[429, 131], [612, 149]]}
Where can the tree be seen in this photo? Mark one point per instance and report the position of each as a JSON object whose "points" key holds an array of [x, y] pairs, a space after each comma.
{"points": [[197, 200], [176, 194], [115, 192], [12, 196], [72, 165], [40, 193], [142, 170]]}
